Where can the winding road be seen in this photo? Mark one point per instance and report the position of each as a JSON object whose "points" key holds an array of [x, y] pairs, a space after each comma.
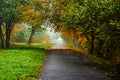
{"points": [[64, 64]]}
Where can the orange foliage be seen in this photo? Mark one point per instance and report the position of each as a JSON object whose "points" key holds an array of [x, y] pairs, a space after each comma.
{"points": [[46, 39], [69, 35], [15, 30]]}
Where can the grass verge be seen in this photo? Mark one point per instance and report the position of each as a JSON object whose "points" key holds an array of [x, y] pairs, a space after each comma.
{"points": [[110, 69], [33, 46], [21, 64], [85, 51]]}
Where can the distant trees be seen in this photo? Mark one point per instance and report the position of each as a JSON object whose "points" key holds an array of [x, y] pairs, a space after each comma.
{"points": [[18, 34]]}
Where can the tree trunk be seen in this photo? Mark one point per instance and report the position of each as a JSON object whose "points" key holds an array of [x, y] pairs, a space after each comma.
{"points": [[101, 42], [1, 35], [9, 26], [76, 41], [7, 35], [92, 42], [31, 36]]}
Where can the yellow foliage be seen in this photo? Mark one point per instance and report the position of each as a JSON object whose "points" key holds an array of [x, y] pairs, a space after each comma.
{"points": [[83, 42], [15, 30], [69, 35], [33, 18]]}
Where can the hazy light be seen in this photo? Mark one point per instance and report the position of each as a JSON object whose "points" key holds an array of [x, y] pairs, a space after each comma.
{"points": [[54, 36], [60, 40]]}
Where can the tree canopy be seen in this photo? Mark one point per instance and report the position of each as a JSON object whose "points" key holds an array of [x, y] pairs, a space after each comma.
{"points": [[97, 20], [10, 15]]}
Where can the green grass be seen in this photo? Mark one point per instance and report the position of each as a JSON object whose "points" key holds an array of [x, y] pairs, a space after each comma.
{"points": [[95, 59], [85, 51], [21, 64], [43, 45], [33, 46]]}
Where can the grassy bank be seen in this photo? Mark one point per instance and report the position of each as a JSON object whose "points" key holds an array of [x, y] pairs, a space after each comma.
{"points": [[21, 64], [33, 46], [85, 51], [110, 69]]}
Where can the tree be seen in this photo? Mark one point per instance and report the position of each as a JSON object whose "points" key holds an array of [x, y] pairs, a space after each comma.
{"points": [[35, 16], [10, 15], [1, 21], [97, 20], [34, 19]]}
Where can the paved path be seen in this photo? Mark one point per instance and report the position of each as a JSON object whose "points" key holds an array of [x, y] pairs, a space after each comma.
{"points": [[65, 65], [60, 46]]}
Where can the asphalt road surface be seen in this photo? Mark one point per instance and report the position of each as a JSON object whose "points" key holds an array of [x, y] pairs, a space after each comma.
{"points": [[63, 64]]}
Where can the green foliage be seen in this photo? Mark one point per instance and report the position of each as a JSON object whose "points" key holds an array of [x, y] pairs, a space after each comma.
{"points": [[94, 59], [96, 20], [20, 64], [10, 15], [33, 18], [35, 15], [9, 8]]}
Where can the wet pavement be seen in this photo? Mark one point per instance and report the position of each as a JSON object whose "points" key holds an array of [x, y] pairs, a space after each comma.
{"points": [[60, 46], [66, 65]]}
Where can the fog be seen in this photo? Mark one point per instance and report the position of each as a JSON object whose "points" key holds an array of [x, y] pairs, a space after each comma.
{"points": [[55, 37]]}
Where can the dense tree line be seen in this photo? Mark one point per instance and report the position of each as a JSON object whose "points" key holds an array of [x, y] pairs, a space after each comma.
{"points": [[12, 12], [96, 20], [93, 25]]}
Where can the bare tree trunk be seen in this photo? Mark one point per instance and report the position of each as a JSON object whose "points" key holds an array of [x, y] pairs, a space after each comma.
{"points": [[101, 42], [7, 35], [1, 35], [31, 36], [92, 42], [9, 26]]}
